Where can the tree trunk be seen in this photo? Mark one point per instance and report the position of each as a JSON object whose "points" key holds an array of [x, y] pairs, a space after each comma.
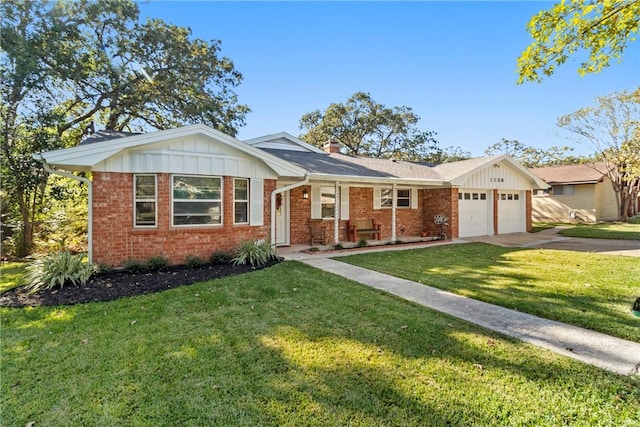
{"points": [[24, 243]]}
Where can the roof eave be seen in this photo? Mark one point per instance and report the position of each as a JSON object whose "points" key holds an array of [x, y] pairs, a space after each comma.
{"points": [[378, 180]]}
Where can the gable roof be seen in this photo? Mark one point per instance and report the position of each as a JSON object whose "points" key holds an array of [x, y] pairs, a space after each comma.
{"points": [[283, 141], [588, 173], [106, 135], [84, 157], [458, 172]]}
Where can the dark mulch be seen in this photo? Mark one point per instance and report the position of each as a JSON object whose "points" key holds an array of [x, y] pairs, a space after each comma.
{"points": [[116, 284]]}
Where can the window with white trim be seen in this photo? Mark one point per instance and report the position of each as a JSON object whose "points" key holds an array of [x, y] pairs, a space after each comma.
{"points": [[144, 200], [197, 200], [328, 202], [240, 201], [403, 198]]}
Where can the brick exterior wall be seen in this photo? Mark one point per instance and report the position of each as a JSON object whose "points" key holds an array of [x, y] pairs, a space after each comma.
{"points": [[440, 201], [529, 210], [115, 240]]}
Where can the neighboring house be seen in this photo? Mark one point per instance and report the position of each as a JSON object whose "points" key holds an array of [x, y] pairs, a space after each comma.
{"points": [[577, 193], [194, 190]]}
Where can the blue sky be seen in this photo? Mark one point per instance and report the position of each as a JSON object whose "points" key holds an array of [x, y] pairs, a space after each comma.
{"points": [[452, 62]]}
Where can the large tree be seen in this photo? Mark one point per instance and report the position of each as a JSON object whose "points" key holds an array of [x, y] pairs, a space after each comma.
{"points": [[67, 67], [601, 28], [366, 128], [533, 157], [612, 128]]}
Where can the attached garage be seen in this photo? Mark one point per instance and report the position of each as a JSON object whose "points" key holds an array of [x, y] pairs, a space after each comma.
{"points": [[494, 195], [474, 209]]}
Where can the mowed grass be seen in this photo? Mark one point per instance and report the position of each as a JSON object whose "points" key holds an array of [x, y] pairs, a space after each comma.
{"points": [[10, 275], [288, 345], [617, 230], [583, 289]]}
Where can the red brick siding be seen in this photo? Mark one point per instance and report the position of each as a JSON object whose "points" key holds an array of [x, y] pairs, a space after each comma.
{"points": [[115, 240], [529, 209], [440, 201]]}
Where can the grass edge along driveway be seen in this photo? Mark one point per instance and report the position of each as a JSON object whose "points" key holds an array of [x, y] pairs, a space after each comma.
{"points": [[288, 345], [583, 289]]}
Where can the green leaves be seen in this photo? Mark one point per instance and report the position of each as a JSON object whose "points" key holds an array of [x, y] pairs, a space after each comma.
{"points": [[601, 28], [57, 270], [367, 128]]}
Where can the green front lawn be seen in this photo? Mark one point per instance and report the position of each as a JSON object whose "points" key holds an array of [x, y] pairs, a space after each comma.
{"points": [[583, 289], [612, 230], [10, 275], [288, 345]]}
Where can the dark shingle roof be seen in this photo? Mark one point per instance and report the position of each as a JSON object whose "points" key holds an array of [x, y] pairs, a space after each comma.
{"points": [[106, 135], [340, 164]]}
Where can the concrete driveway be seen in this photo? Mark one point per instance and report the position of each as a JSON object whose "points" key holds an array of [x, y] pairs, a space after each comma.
{"points": [[550, 239]]}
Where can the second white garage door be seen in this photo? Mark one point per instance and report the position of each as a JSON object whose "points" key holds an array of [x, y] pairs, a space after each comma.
{"points": [[474, 213], [510, 213]]}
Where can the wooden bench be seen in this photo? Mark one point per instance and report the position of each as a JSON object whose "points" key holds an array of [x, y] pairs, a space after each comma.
{"points": [[363, 226]]}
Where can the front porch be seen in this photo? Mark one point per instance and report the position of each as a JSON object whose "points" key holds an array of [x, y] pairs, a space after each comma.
{"points": [[404, 242]]}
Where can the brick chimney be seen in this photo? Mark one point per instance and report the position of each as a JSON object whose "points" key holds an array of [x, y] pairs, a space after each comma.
{"points": [[331, 146]]}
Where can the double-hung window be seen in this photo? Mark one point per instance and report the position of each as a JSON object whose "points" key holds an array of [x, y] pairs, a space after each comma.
{"points": [[197, 200], [403, 198], [328, 202], [241, 201], [144, 194]]}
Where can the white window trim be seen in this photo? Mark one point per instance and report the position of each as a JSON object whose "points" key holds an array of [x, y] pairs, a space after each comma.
{"points": [[246, 201], [154, 200], [378, 198], [210, 200]]}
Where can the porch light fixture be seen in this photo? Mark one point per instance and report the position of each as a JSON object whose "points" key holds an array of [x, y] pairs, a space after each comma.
{"points": [[305, 195]]}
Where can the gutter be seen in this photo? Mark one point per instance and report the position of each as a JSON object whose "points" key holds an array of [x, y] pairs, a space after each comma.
{"points": [[51, 170], [273, 205]]}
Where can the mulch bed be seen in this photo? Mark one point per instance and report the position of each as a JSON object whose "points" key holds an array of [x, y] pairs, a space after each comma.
{"points": [[117, 284]]}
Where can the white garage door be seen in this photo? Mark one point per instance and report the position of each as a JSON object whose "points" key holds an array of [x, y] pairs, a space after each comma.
{"points": [[473, 212], [511, 213]]}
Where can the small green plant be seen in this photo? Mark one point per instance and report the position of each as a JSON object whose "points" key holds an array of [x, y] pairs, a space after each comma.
{"points": [[255, 253], [220, 257], [338, 246], [57, 270], [134, 266], [313, 249], [157, 263], [194, 261], [104, 268], [362, 243]]}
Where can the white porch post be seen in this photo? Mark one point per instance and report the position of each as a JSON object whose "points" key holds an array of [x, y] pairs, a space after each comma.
{"points": [[336, 214], [394, 201]]}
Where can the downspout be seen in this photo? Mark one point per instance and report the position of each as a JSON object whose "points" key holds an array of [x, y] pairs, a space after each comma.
{"points": [[336, 213], [87, 181], [273, 205], [394, 201]]}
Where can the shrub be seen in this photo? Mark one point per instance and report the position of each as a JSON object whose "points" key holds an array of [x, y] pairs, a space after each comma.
{"points": [[194, 261], [256, 253], [338, 246], [362, 243], [134, 266], [57, 270], [157, 263], [220, 257]]}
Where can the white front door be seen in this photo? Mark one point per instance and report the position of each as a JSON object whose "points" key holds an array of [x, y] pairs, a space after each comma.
{"points": [[282, 219]]}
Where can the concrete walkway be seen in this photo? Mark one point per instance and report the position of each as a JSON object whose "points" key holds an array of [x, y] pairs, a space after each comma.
{"points": [[591, 347]]}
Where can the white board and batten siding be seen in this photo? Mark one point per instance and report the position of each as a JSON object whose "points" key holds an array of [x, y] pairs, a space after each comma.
{"points": [[194, 155], [475, 203]]}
